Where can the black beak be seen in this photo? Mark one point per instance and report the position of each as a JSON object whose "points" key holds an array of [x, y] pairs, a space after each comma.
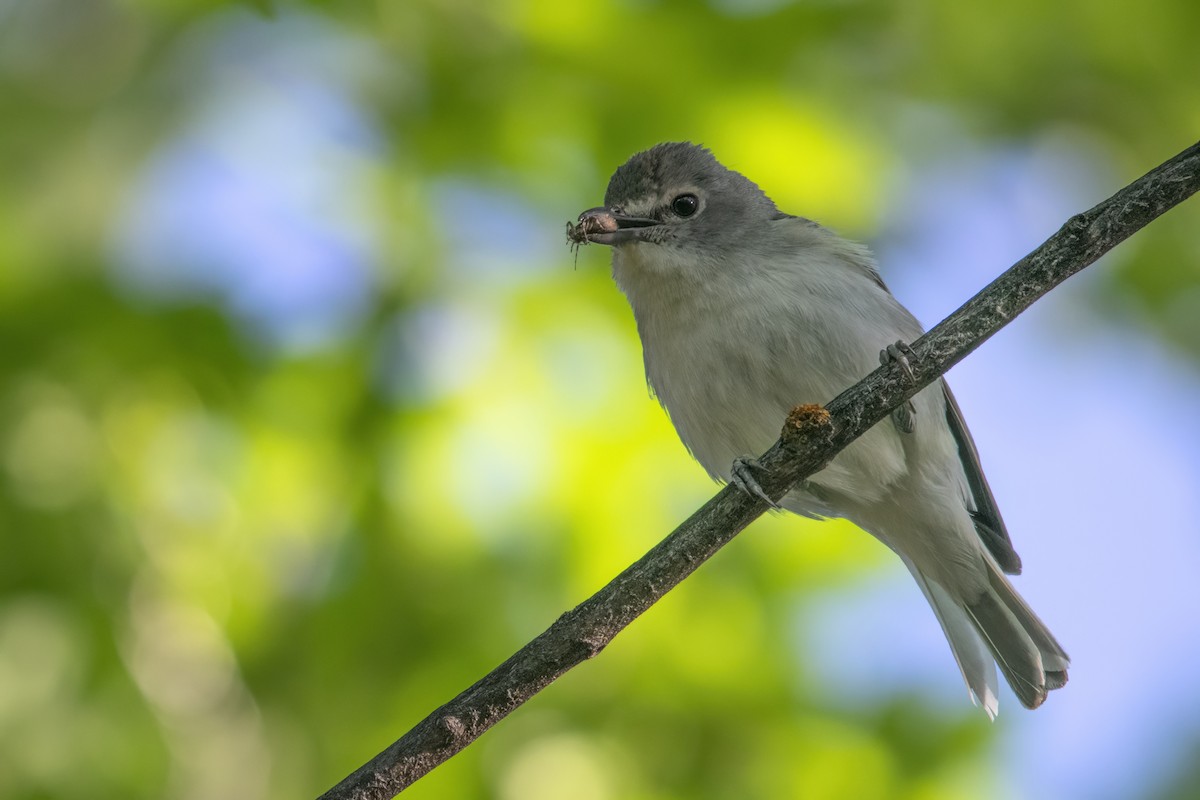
{"points": [[605, 226]]}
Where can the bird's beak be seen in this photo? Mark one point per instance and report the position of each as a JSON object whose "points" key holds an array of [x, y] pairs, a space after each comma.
{"points": [[605, 226]]}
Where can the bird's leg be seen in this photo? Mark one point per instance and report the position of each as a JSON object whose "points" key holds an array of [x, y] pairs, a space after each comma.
{"points": [[903, 416], [742, 476]]}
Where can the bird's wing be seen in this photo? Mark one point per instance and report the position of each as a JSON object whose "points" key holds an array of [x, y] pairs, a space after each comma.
{"points": [[988, 522], [855, 255]]}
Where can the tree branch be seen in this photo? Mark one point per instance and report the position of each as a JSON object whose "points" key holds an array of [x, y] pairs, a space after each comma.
{"points": [[811, 437]]}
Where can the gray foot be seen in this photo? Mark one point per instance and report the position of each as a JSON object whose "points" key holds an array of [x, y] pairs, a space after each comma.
{"points": [[899, 353], [743, 478], [904, 416]]}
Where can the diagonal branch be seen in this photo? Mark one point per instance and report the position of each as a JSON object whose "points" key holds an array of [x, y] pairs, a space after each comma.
{"points": [[811, 437]]}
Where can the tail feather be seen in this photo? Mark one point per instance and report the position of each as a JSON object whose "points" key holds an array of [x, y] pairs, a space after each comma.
{"points": [[1012, 647], [1054, 658], [975, 661], [1055, 679], [998, 628]]}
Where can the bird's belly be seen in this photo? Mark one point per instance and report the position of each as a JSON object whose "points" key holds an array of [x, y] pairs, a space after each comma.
{"points": [[726, 401]]}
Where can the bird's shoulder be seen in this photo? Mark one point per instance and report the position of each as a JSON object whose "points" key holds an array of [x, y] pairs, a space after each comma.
{"points": [[807, 235]]}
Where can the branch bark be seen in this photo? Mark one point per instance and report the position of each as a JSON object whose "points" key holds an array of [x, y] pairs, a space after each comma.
{"points": [[811, 437]]}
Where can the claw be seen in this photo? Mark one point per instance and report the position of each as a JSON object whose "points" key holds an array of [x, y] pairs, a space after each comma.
{"points": [[899, 353], [903, 417], [742, 476]]}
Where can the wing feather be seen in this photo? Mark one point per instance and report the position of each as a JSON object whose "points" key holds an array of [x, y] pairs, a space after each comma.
{"points": [[988, 522]]}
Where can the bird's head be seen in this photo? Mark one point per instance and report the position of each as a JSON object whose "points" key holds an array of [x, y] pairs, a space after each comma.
{"points": [[677, 196]]}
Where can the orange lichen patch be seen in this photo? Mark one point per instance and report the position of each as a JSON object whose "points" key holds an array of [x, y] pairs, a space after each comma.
{"points": [[805, 420]]}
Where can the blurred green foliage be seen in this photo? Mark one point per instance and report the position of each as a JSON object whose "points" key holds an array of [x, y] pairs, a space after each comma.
{"points": [[233, 568]]}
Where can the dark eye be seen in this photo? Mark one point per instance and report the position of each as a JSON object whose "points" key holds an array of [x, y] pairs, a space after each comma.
{"points": [[685, 205]]}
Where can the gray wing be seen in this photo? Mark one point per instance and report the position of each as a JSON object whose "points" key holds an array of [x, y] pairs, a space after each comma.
{"points": [[855, 255], [986, 516]]}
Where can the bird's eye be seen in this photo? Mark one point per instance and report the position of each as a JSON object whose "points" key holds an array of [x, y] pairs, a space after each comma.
{"points": [[685, 205]]}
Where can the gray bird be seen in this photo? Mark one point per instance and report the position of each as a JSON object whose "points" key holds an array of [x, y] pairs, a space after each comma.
{"points": [[745, 311]]}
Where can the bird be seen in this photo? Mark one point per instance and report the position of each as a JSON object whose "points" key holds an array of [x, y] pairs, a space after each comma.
{"points": [[745, 311]]}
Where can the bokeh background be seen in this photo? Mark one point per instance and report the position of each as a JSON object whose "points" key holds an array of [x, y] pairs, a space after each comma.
{"points": [[308, 417]]}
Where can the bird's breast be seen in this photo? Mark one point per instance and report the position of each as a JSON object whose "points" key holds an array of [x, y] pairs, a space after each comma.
{"points": [[728, 363], [727, 377]]}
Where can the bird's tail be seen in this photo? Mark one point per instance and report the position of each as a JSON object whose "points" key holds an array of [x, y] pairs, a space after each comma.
{"points": [[998, 628]]}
